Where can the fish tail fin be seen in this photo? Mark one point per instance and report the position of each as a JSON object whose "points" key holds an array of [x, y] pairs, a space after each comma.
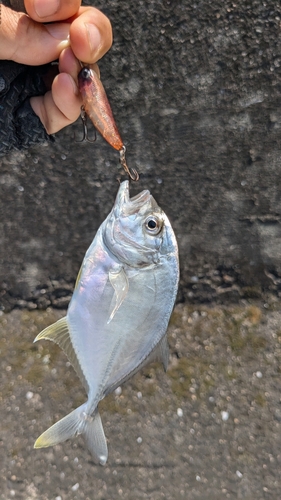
{"points": [[62, 430], [75, 423], [93, 434]]}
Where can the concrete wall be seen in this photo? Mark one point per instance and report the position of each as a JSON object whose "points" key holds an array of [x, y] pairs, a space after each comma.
{"points": [[195, 88]]}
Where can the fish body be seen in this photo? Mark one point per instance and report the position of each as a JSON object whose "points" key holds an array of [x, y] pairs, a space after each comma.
{"points": [[96, 105], [118, 315]]}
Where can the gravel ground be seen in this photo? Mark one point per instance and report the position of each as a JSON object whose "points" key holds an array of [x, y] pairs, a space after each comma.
{"points": [[209, 428]]}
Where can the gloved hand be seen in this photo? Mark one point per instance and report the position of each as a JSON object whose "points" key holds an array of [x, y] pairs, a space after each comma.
{"points": [[38, 98]]}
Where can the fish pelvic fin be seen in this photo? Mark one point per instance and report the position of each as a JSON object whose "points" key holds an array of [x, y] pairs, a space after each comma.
{"points": [[75, 423], [58, 333]]}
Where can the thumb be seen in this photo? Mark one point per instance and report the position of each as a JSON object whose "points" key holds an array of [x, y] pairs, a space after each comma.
{"points": [[25, 41]]}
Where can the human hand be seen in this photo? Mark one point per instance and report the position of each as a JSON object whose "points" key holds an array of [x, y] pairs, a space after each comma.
{"points": [[75, 33]]}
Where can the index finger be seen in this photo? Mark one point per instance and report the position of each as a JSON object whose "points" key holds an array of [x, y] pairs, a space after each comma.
{"points": [[51, 10], [90, 35]]}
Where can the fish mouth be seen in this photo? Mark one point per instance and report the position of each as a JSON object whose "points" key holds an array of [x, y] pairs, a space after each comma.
{"points": [[123, 195], [129, 206]]}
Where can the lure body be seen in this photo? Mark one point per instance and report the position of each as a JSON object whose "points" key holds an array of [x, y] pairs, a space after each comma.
{"points": [[97, 107]]}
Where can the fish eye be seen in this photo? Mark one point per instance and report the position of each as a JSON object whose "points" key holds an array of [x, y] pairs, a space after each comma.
{"points": [[153, 224]]}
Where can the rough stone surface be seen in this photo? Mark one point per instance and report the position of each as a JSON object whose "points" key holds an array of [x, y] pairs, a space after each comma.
{"points": [[195, 89], [208, 429]]}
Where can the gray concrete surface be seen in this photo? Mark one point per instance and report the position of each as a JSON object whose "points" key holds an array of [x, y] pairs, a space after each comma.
{"points": [[208, 429], [195, 89]]}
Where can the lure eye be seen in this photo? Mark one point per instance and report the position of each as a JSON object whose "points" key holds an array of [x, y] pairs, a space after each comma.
{"points": [[86, 73], [153, 225]]}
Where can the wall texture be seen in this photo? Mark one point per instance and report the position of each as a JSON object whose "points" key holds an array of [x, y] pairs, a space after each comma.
{"points": [[195, 88]]}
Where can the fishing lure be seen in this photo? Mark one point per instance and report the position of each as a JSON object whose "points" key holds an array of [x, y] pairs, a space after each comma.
{"points": [[97, 107]]}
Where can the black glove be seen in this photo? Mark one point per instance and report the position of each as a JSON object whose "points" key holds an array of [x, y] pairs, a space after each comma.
{"points": [[20, 127]]}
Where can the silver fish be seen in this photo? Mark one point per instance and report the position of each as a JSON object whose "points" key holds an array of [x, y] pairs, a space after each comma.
{"points": [[118, 315]]}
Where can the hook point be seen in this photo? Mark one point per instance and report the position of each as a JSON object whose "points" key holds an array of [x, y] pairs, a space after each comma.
{"points": [[132, 173]]}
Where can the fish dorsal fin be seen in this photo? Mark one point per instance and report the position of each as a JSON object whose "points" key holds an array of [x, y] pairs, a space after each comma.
{"points": [[120, 283], [78, 277], [59, 334]]}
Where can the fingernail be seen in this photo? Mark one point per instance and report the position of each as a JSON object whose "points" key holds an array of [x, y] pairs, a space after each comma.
{"points": [[45, 8], [93, 36], [58, 30]]}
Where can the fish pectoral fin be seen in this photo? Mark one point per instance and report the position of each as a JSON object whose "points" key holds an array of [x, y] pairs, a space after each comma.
{"points": [[120, 283], [59, 334], [78, 422]]}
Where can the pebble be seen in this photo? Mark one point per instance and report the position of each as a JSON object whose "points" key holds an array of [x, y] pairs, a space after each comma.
{"points": [[179, 412], [224, 416], [259, 374], [29, 395], [139, 440], [75, 487], [194, 279], [239, 474]]}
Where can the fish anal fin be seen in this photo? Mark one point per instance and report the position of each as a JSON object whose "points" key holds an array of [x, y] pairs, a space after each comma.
{"points": [[162, 351], [120, 283], [59, 334], [159, 353]]}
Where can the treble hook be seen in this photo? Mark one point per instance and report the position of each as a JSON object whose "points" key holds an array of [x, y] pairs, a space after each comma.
{"points": [[133, 173], [83, 116]]}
